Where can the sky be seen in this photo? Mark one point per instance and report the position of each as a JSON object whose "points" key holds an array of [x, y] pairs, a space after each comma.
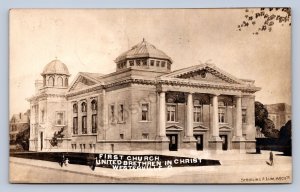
{"points": [[88, 40]]}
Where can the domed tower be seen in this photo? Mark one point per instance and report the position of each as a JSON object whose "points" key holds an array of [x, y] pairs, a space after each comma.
{"points": [[56, 75], [144, 56]]}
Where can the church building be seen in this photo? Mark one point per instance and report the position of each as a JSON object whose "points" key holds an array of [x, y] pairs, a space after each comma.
{"points": [[143, 106]]}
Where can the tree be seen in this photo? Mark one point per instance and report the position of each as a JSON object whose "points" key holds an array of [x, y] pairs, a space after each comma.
{"points": [[262, 121], [22, 139], [264, 19], [56, 137], [285, 138]]}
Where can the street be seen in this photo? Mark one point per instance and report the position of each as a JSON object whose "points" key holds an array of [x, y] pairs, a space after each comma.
{"points": [[244, 168]]}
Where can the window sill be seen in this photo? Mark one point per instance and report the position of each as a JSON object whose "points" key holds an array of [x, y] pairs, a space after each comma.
{"points": [[121, 122], [199, 123], [60, 125], [145, 121], [223, 123], [173, 122], [89, 134]]}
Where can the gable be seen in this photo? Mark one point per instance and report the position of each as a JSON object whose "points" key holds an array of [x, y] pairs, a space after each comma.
{"points": [[202, 75], [81, 82], [174, 128], [204, 72]]}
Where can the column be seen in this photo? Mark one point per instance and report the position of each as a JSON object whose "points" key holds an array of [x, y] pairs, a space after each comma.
{"points": [[215, 142], [215, 119], [238, 132], [238, 142], [162, 114], [189, 113]]}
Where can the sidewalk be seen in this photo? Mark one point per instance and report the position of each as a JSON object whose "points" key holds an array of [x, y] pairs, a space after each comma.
{"points": [[243, 164]]}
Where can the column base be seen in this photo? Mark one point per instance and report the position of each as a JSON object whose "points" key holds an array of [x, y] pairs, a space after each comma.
{"points": [[215, 143], [189, 143], [162, 144], [239, 144]]}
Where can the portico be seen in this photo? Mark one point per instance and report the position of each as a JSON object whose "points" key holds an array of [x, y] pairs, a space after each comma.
{"points": [[210, 124]]}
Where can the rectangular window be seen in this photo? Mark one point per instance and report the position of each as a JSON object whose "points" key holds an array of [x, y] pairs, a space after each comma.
{"points": [[43, 116], [121, 136], [138, 62], [244, 115], [59, 118], [171, 113], [112, 113], [131, 63], [121, 113], [197, 114], [75, 125], [145, 135], [222, 115], [83, 146], [84, 127], [73, 146], [157, 63], [152, 62], [94, 123], [145, 112], [144, 62], [163, 63], [169, 65]]}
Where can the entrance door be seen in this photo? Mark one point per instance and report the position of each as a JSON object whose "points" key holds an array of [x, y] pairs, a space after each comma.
{"points": [[199, 143], [224, 142], [173, 142], [41, 138]]}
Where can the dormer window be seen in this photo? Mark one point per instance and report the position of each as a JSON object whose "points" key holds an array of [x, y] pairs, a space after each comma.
{"points": [[157, 63], [152, 62], [169, 65], [138, 62], [131, 63], [163, 63], [145, 62]]}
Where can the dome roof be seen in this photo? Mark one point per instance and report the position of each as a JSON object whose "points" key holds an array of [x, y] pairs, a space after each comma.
{"points": [[142, 50], [56, 67]]}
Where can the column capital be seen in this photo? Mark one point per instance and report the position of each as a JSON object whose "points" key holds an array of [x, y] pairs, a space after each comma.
{"points": [[216, 94]]}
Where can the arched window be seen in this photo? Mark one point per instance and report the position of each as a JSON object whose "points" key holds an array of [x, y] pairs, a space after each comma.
{"points": [[51, 81], [60, 81], [94, 105], [66, 82], [75, 108], [83, 107]]}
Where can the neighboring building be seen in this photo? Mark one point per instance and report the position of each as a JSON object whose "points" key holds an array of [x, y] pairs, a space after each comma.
{"points": [[18, 123], [279, 113], [144, 105]]}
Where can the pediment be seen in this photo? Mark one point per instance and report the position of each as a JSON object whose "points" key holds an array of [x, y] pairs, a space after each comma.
{"points": [[225, 128], [200, 128], [204, 72], [174, 128], [81, 82]]}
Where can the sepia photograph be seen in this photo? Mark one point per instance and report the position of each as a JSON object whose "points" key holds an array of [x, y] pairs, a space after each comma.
{"points": [[163, 96]]}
